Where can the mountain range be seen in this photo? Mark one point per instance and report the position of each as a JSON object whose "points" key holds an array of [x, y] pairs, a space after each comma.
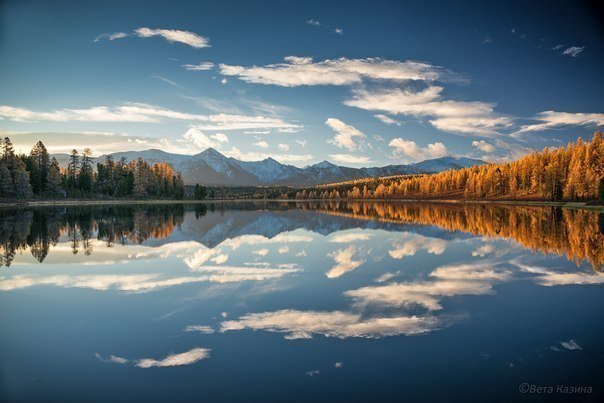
{"points": [[210, 167]]}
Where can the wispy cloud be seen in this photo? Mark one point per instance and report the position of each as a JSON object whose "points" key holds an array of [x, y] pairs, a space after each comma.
{"points": [[313, 22], [174, 35], [350, 158], [299, 71], [146, 113], [304, 324], [387, 119], [573, 51], [552, 119], [469, 118], [111, 37], [203, 66], [171, 35]]}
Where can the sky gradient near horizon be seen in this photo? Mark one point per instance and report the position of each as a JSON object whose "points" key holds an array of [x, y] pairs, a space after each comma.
{"points": [[365, 84]]}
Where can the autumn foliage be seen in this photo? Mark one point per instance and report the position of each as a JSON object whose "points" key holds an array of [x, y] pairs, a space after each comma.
{"points": [[574, 172]]}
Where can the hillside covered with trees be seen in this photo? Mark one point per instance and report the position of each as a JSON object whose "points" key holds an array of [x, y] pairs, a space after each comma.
{"points": [[38, 175], [574, 172]]}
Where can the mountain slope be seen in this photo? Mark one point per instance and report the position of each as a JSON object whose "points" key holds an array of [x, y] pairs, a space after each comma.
{"points": [[210, 167]]}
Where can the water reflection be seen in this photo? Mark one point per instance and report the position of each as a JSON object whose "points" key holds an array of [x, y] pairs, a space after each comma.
{"points": [[143, 288], [577, 234]]}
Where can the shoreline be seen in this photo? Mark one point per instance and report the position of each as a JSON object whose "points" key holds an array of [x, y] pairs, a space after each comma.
{"points": [[86, 202]]}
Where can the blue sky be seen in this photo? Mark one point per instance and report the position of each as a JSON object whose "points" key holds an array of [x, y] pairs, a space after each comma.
{"points": [[362, 84]]}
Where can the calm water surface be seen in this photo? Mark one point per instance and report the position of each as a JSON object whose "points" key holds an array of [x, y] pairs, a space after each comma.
{"points": [[300, 302]]}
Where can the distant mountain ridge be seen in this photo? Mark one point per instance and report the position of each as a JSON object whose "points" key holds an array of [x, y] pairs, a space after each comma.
{"points": [[210, 167]]}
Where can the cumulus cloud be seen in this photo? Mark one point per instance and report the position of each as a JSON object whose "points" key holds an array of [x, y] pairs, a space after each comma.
{"points": [[203, 66], [173, 35], [338, 31], [484, 146], [408, 148], [298, 71], [484, 250], [552, 119], [347, 136], [203, 141], [409, 245], [283, 147], [344, 262]]}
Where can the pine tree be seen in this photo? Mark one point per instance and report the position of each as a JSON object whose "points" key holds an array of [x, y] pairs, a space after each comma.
{"points": [[85, 176], [72, 170], [6, 182], [22, 185]]}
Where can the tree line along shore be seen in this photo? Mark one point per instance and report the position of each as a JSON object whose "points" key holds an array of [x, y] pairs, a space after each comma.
{"points": [[572, 173]]}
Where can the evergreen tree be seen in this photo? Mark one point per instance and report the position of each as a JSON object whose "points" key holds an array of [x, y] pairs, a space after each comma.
{"points": [[22, 185], [85, 176], [6, 182]]}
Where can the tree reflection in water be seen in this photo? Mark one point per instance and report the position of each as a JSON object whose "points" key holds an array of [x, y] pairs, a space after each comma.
{"points": [[576, 233]]}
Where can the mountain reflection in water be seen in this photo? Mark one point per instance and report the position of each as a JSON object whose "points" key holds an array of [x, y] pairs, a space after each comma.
{"points": [[575, 233]]}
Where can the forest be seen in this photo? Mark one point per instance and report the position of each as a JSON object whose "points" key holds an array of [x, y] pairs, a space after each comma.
{"points": [[574, 172], [38, 176]]}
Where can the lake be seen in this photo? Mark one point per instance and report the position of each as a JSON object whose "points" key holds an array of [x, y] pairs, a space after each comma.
{"points": [[323, 301]]}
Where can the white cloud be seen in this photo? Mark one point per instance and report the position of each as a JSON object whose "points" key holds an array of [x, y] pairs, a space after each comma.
{"points": [[346, 136], [387, 276], [571, 345], [349, 237], [257, 156], [296, 71], [111, 37], [484, 146], [304, 324], [261, 144], [224, 81], [313, 22], [173, 35], [261, 252], [283, 147], [174, 360], [408, 148], [112, 358], [387, 119], [338, 31], [145, 113], [203, 141], [350, 159], [302, 143], [484, 250], [477, 118], [344, 262], [410, 244], [573, 51], [551, 119], [200, 329], [548, 277], [203, 66]]}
